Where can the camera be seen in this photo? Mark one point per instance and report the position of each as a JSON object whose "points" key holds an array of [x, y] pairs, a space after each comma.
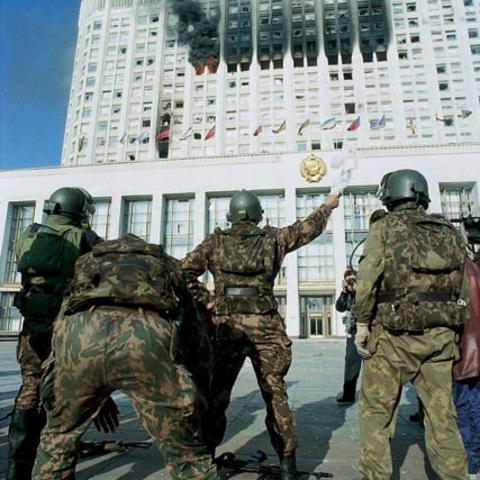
{"points": [[351, 282]]}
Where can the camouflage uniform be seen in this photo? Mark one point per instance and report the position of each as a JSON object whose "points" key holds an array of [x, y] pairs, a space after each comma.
{"points": [[408, 292], [244, 261], [128, 324], [34, 342]]}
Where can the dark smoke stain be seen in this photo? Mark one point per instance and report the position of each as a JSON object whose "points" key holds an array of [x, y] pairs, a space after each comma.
{"points": [[199, 32]]}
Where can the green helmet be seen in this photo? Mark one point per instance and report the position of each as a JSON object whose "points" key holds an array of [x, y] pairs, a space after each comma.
{"points": [[403, 185], [245, 205], [72, 202]]}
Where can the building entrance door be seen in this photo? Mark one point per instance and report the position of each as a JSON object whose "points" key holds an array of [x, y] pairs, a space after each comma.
{"points": [[316, 316]]}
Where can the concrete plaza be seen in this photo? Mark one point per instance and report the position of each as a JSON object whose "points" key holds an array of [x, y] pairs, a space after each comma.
{"points": [[328, 433]]}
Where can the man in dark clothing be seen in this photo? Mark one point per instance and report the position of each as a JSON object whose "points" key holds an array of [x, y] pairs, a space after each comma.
{"points": [[128, 323], [244, 261], [46, 255], [353, 361]]}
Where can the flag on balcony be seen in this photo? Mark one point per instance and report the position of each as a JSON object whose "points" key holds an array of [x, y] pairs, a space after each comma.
{"points": [[210, 133], [281, 128], [378, 124], [354, 125], [163, 135], [187, 134], [411, 126], [258, 131], [304, 125], [466, 112], [329, 124]]}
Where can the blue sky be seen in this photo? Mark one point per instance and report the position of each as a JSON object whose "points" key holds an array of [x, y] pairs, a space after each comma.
{"points": [[37, 46]]}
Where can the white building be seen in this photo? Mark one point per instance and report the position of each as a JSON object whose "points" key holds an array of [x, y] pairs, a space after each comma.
{"points": [[173, 111]]}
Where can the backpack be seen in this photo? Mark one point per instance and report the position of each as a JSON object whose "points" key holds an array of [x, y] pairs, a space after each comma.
{"points": [[126, 272]]}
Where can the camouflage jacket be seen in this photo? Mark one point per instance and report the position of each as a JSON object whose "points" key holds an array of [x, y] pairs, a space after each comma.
{"points": [[411, 273], [248, 256], [130, 272]]}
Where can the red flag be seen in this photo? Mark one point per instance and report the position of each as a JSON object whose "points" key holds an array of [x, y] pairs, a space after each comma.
{"points": [[163, 135], [210, 133], [258, 131], [354, 125]]}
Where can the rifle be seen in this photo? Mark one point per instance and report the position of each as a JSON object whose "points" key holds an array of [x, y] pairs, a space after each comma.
{"points": [[90, 449]]}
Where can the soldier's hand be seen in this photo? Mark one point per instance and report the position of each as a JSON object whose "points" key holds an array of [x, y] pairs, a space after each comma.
{"points": [[333, 200], [107, 419], [361, 339]]}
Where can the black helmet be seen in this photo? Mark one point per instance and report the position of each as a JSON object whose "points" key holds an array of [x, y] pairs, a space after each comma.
{"points": [[73, 202], [403, 185], [245, 205]]}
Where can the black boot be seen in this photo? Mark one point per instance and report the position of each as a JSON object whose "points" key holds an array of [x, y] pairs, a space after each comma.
{"points": [[348, 396], [23, 438], [288, 467]]}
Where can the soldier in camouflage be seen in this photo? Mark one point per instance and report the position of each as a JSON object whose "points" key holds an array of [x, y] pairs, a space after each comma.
{"points": [[128, 323], [412, 297], [244, 261], [46, 255]]}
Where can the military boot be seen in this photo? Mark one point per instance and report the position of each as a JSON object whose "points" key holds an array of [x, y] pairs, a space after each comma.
{"points": [[23, 439], [348, 395], [288, 467]]}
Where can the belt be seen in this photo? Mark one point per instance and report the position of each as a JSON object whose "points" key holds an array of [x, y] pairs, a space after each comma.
{"points": [[390, 297], [127, 309], [238, 291]]}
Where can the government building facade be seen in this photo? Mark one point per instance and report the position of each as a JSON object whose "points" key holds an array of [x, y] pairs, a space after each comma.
{"points": [[175, 105]]}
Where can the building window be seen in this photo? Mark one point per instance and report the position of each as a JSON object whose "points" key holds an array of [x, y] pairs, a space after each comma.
{"points": [[137, 218], [217, 213], [21, 218], [101, 218], [178, 232], [358, 206], [9, 315], [315, 260], [458, 201]]}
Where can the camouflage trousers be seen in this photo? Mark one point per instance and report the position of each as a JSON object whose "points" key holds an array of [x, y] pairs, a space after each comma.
{"points": [[264, 340], [107, 349], [425, 360], [34, 345]]}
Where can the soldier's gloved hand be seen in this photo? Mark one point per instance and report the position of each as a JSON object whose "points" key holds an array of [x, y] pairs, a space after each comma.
{"points": [[107, 418], [361, 339]]}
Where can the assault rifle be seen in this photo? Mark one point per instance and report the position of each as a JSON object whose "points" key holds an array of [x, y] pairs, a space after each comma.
{"points": [[90, 449]]}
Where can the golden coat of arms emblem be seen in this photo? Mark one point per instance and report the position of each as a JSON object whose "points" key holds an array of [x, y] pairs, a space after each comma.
{"points": [[312, 168]]}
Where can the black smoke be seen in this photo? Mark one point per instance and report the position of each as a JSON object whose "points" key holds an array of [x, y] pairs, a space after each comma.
{"points": [[197, 31]]}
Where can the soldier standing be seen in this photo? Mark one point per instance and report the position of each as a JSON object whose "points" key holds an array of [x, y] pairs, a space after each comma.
{"points": [[244, 261], [412, 297], [46, 255], [128, 323]]}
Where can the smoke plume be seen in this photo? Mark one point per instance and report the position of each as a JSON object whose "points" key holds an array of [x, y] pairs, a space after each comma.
{"points": [[199, 32]]}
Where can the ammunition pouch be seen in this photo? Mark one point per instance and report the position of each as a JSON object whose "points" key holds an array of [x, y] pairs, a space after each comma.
{"points": [[38, 304], [420, 310]]}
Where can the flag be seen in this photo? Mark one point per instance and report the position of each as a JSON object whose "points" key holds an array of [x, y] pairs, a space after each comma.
{"points": [[439, 119], [187, 134], [466, 112], [329, 124], [354, 125], [411, 126], [122, 138], [378, 124], [81, 143], [281, 128], [258, 131], [304, 125], [163, 135], [144, 137], [210, 133]]}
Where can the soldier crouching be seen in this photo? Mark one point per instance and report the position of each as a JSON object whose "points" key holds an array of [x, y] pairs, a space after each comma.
{"points": [[122, 327]]}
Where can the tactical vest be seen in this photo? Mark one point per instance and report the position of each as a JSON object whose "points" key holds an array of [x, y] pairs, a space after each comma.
{"points": [[423, 273], [127, 272], [244, 259], [45, 258]]}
